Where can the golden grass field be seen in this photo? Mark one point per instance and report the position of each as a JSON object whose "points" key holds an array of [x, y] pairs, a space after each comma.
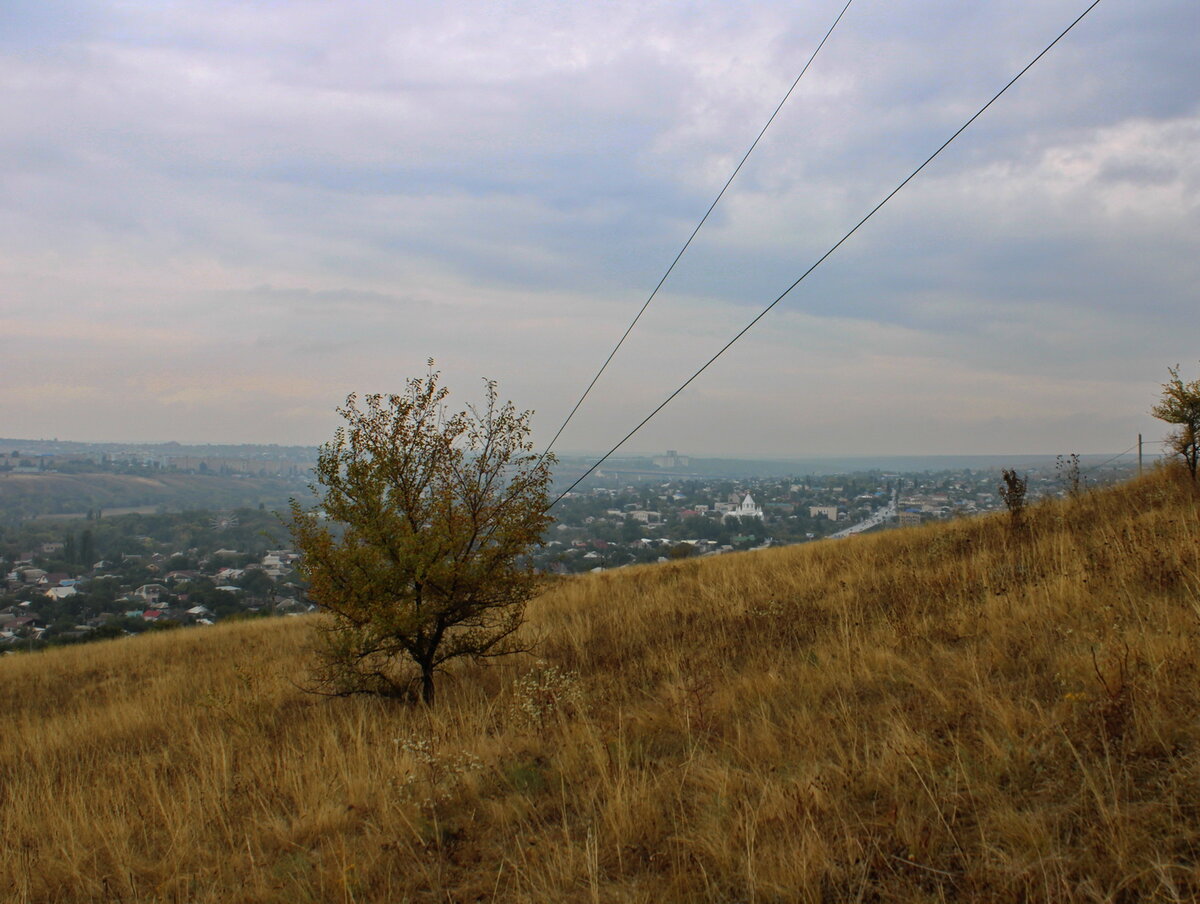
{"points": [[955, 712]]}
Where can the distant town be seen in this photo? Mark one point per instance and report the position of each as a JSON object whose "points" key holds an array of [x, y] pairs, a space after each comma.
{"points": [[74, 571], [633, 512]]}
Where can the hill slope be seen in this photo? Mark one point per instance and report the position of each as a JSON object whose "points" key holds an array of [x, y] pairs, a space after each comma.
{"points": [[24, 496], [953, 712]]}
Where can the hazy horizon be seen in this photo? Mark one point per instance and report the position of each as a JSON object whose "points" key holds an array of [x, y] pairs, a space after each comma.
{"points": [[995, 459]]}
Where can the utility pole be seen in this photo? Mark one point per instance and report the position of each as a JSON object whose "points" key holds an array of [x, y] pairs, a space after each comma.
{"points": [[1139, 455]]}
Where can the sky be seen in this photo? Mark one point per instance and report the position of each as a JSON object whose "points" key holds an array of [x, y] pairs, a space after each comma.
{"points": [[217, 219]]}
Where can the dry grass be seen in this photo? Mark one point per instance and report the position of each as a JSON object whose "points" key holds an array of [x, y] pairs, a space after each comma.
{"points": [[952, 712]]}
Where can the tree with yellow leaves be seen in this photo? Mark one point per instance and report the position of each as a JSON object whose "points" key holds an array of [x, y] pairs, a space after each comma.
{"points": [[417, 550], [1180, 405]]}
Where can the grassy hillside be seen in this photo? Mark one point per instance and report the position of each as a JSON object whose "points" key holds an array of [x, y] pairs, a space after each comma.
{"points": [[955, 712]]}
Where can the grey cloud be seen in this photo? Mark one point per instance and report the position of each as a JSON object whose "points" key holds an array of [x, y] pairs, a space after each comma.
{"points": [[324, 301], [358, 162]]}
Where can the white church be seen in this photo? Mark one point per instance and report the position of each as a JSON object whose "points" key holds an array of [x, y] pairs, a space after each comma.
{"points": [[748, 509]]}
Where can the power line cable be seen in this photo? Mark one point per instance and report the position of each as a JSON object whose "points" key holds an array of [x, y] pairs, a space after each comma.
{"points": [[703, 220], [824, 256], [1108, 461]]}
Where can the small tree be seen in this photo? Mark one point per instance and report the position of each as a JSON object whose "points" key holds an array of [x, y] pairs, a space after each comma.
{"points": [[418, 551], [1070, 474], [1012, 491], [1180, 405]]}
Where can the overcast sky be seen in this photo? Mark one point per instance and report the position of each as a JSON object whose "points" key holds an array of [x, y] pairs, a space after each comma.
{"points": [[219, 218]]}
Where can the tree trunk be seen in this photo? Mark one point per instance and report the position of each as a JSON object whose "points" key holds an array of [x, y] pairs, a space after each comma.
{"points": [[427, 684]]}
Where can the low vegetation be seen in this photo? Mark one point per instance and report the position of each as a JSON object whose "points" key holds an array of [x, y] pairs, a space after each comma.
{"points": [[960, 711]]}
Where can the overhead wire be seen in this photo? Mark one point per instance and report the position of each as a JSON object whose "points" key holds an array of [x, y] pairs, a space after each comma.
{"points": [[1090, 469], [737, 169], [827, 254], [1145, 442]]}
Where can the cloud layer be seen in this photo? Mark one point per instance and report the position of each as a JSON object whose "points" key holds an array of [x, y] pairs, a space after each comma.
{"points": [[217, 219]]}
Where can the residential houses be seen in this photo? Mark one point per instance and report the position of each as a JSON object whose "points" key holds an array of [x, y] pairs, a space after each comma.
{"points": [[100, 600]]}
